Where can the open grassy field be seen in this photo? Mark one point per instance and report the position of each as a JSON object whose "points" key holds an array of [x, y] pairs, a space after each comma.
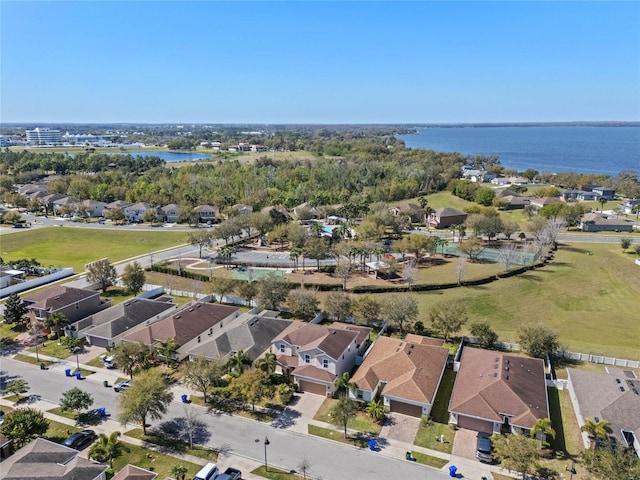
{"points": [[591, 300], [74, 247]]}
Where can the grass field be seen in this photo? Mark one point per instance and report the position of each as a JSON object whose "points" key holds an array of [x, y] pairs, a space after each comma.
{"points": [[591, 300], [74, 247]]}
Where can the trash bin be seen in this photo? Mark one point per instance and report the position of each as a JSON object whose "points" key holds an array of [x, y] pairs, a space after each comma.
{"points": [[78, 375], [42, 366], [102, 411], [105, 383], [408, 455], [67, 372], [452, 470], [185, 398]]}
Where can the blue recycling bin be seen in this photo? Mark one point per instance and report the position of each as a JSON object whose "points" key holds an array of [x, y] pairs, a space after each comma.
{"points": [[185, 398], [78, 375], [452, 471], [102, 411], [67, 372]]}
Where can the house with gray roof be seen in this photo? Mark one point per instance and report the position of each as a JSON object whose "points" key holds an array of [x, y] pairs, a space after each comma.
{"points": [[106, 328], [446, 216], [251, 332], [600, 222], [46, 460], [612, 395]]}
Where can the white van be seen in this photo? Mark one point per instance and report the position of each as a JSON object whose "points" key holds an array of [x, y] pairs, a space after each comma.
{"points": [[208, 472]]}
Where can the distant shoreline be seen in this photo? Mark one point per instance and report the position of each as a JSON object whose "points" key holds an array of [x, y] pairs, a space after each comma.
{"points": [[527, 124]]}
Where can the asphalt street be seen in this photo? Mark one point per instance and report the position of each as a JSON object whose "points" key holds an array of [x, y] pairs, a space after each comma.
{"points": [[239, 436]]}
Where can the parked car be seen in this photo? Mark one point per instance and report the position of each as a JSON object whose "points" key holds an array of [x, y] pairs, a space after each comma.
{"points": [[34, 340], [80, 440], [208, 472], [230, 474], [1, 417], [483, 447], [120, 386]]}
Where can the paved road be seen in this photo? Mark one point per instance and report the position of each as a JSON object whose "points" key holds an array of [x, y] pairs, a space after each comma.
{"points": [[330, 460]]}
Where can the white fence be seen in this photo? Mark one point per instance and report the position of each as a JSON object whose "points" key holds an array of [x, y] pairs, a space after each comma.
{"points": [[589, 357], [36, 282]]}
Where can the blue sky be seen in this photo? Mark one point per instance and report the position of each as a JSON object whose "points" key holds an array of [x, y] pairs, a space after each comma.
{"points": [[319, 62]]}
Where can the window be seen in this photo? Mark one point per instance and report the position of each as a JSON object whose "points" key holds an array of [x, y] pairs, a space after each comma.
{"points": [[325, 363], [77, 306], [282, 348], [359, 394], [199, 338], [307, 359]]}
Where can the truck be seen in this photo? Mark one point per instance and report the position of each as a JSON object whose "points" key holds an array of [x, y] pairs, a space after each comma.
{"points": [[230, 474]]}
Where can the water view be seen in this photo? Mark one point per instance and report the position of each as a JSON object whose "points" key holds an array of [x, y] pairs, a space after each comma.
{"points": [[169, 156]]}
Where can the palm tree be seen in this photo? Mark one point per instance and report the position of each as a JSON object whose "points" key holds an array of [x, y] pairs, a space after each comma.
{"points": [[166, 348], [56, 321], [343, 382], [237, 362], [179, 471], [596, 430], [453, 229], [106, 449], [541, 429], [294, 254], [226, 252], [267, 363], [602, 201], [375, 410]]}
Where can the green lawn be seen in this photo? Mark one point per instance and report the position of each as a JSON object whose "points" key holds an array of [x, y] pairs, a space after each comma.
{"points": [[157, 462], [429, 460], [51, 348], [58, 432], [74, 247], [275, 473], [591, 300], [32, 360], [174, 444], [361, 422], [337, 435], [438, 423], [85, 418]]}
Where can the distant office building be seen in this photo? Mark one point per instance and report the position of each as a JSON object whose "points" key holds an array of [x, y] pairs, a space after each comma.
{"points": [[4, 141], [43, 136]]}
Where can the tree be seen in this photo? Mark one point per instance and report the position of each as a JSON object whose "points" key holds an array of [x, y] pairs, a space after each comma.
{"points": [[461, 269], [102, 273], [150, 215], [338, 306], [609, 463], [485, 196], [116, 215], [179, 471], [483, 331], [223, 286], [304, 466], [17, 387], [316, 248], [596, 430], [472, 248], [166, 348], [516, 452], [625, 242], [226, 253], [14, 309], [537, 340], [247, 290], [375, 410], [303, 303], [541, 429], [344, 271], [267, 363], [448, 317], [133, 277], [367, 309], [56, 321], [76, 399], [508, 255], [344, 384], [130, 356], [272, 291], [147, 397], [202, 237], [602, 201], [23, 425], [409, 272], [107, 448], [344, 410], [202, 375], [253, 386], [238, 361], [402, 311]]}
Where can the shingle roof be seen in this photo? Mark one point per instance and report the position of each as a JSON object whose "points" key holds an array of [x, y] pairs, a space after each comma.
{"points": [[57, 297], [448, 212], [331, 340], [600, 395], [184, 325], [490, 384], [409, 370], [131, 472], [46, 460]]}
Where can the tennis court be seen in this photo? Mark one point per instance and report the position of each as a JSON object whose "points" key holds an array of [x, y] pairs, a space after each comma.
{"points": [[252, 273], [492, 255]]}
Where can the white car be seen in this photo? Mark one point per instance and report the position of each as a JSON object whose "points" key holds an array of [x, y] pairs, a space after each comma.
{"points": [[120, 386]]}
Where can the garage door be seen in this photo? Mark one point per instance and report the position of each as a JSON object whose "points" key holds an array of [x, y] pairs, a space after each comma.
{"points": [[406, 408], [311, 387], [475, 424]]}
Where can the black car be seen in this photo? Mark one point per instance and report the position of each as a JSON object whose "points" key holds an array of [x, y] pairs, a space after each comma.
{"points": [[80, 440]]}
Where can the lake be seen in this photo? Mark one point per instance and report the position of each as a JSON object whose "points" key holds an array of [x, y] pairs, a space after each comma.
{"points": [[603, 150], [168, 156]]}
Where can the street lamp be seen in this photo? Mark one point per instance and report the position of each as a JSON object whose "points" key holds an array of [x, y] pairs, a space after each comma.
{"points": [[266, 443]]}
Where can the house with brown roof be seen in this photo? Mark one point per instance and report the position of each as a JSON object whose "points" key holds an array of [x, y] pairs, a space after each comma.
{"points": [[46, 460], [188, 327], [131, 472], [446, 216], [73, 303], [612, 395], [411, 209], [316, 354], [498, 392], [206, 213], [405, 373], [600, 222], [539, 203]]}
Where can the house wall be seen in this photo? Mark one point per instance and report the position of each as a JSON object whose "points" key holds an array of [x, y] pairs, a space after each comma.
{"points": [[590, 227], [474, 423], [445, 222], [75, 311]]}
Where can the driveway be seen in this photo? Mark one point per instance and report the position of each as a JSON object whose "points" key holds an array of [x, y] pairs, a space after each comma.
{"points": [[402, 428], [302, 408], [464, 444]]}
